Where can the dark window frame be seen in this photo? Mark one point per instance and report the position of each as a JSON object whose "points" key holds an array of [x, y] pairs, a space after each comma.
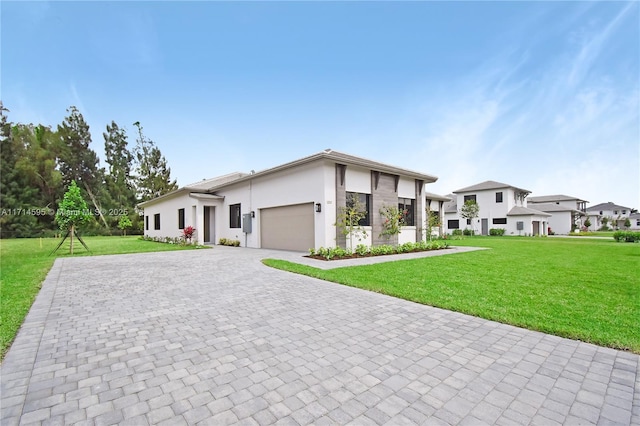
{"points": [[452, 222], [180, 218], [146, 222], [235, 215], [408, 205], [499, 197], [364, 199], [156, 221], [499, 220], [471, 197]]}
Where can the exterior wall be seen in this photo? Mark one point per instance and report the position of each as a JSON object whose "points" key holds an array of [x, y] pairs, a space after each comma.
{"points": [[302, 184], [560, 222], [168, 211], [528, 222]]}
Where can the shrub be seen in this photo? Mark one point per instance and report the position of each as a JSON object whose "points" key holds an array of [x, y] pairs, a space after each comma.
{"points": [[229, 242], [457, 232], [496, 232], [362, 250], [626, 236], [468, 232]]}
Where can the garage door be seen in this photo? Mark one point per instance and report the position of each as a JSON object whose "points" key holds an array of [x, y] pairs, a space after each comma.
{"points": [[287, 227]]}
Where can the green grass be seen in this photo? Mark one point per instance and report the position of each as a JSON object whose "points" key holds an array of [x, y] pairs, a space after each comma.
{"points": [[582, 289], [24, 264]]}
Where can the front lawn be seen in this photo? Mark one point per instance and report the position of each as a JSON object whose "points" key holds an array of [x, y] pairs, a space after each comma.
{"points": [[582, 289], [25, 263]]}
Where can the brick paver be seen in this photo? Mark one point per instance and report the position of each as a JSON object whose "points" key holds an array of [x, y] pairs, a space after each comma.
{"points": [[215, 337]]}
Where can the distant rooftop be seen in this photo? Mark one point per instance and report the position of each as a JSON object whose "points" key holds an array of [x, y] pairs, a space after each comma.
{"points": [[607, 206], [553, 198], [488, 185]]}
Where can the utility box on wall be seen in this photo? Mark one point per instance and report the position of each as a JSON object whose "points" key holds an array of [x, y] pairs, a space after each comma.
{"points": [[246, 223], [520, 226]]}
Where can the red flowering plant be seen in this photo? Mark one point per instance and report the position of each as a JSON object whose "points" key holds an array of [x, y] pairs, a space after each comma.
{"points": [[187, 233], [393, 220]]}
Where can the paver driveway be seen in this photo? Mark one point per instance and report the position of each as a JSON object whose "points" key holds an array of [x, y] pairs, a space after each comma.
{"points": [[214, 337]]}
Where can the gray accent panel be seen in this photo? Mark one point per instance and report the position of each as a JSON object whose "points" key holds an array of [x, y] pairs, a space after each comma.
{"points": [[288, 227], [420, 210], [384, 193], [341, 201]]}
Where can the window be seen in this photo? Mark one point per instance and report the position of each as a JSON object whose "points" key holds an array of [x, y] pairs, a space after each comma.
{"points": [[638, 222], [146, 223], [470, 198], [468, 221], [498, 197], [180, 218], [235, 218], [364, 200], [615, 212], [624, 212], [406, 207], [500, 221], [453, 224], [600, 212], [156, 221]]}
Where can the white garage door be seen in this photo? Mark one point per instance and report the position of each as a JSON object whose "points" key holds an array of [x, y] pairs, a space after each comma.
{"points": [[288, 227]]}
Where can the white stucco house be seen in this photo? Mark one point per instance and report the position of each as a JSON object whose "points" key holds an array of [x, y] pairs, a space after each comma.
{"points": [[501, 206], [566, 211], [616, 215], [293, 206]]}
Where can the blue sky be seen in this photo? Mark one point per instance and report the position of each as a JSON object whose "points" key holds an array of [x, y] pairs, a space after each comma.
{"points": [[540, 95]]}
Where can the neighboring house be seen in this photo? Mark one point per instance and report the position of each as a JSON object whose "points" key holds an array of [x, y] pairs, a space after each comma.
{"points": [[501, 206], [615, 214], [293, 206], [566, 212], [634, 218]]}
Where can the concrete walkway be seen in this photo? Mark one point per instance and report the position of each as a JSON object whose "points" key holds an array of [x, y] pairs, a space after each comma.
{"points": [[214, 337]]}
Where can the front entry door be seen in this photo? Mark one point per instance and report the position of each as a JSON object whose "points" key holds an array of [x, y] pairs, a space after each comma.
{"points": [[207, 224], [485, 226]]}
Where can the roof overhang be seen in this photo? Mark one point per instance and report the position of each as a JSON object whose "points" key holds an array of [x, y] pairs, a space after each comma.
{"points": [[209, 197], [339, 158]]}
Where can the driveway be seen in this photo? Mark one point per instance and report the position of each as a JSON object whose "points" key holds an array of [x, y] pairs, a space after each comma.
{"points": [[215, 337]]}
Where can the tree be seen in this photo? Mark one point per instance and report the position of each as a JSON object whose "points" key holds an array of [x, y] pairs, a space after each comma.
{"points": [[78, 162], [433, 221], [627, 223], [469, 211], [118, 180], [350, 217], [124, 223], [24, 203], [72, 212], [587, 223], [153, 174]]}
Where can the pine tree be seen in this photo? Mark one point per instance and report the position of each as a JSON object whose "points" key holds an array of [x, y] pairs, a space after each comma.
{"points": [[153, 174]]}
